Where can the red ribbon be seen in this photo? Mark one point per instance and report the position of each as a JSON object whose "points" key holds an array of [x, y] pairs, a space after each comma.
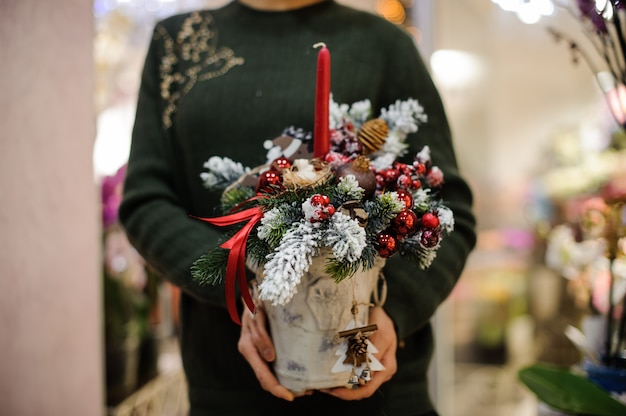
{"points": [[236, 263]]}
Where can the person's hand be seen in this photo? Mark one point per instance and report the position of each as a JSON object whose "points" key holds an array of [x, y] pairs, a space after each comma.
{"points": [[385, 340], [257, 348]]}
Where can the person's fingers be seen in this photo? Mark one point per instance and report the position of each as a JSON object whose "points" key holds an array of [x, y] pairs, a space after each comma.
{"points": [[368, 389], [262, 371], [385, 338], [259, 333]]}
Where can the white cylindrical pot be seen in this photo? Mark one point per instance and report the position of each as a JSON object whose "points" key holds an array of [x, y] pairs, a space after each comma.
{"points": [[305, 330]]}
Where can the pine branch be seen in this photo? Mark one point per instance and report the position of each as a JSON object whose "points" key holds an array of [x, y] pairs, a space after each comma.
{"points": [[211, 267], [347, 189], [422, 200], [369, 254], [235, 196], [340, 270], [381, 211], [257, 250], [277, 221], [296, 195], [414, 251], [288, 262]]}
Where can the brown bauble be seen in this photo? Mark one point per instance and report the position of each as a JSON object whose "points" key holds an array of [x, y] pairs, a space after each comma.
{"points": [[360, 168]]}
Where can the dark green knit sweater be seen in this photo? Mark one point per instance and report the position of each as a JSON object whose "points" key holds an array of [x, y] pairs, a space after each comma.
{"points": [[220, 83]]}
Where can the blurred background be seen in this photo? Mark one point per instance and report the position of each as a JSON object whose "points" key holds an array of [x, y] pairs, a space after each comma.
{"points": [[532, 130]]}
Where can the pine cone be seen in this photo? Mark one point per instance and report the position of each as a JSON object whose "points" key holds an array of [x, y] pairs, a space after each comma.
{"points": [[373, 134], [357, 350]]}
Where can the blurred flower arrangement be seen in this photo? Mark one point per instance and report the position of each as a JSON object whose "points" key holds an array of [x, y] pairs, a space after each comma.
{"points": [[592, 256], [130, 302], [577, 171], [591, 253], [588, 246], [358, 200]]}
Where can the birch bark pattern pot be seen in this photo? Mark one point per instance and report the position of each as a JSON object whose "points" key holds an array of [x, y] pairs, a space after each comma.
{"points": [[305, 330]]}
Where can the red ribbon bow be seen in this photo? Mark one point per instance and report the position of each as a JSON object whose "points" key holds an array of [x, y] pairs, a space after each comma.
{"points": [[236, 264]]}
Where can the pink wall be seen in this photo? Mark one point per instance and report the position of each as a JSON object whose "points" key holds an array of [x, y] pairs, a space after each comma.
{"points": [[50, 333]]}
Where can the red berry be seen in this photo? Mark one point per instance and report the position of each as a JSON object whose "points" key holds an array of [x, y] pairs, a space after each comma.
{"points": [[400, 167], [404, 181], [434, 177], [420, 167], [317, 199], [391, 175], [430, 220]]}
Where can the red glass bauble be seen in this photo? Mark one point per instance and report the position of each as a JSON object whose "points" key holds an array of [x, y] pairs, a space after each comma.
{"points": [[280, 164], [404, 223], [267, 180], [386, 245], [406, 197]]}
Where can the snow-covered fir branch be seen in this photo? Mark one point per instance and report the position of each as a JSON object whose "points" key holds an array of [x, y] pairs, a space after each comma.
{"points": [[418, 253], [348, 189], [298, 133], [395, 146], [276, 221], [423, 156], [424, 256], [346, 238], [288, 263], [221, 172], [384, 160], [404, 116], [446, 218], [421, 199], [357, 113], [381, 210]]}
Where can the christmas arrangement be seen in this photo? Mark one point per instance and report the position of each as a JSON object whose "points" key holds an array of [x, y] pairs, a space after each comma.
{"points": [[357, 200], [325, 209]]}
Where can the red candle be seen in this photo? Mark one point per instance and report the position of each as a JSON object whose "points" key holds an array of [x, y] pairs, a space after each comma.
{"points": [[321, 131]]}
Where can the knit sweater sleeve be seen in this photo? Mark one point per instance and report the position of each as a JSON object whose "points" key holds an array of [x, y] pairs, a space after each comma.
{"points": [[414, 294], [152, 211]]}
